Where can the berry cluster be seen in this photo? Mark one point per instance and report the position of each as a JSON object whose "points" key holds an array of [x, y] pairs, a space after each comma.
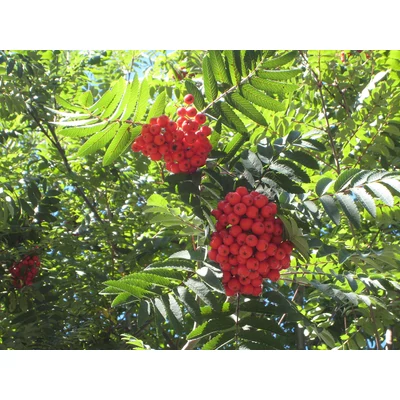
{"points": [[24, 271], [248, 243], [183, 144]]}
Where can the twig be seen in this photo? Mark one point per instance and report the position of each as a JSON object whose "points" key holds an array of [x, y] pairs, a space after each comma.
{"points": [[328, 129]]}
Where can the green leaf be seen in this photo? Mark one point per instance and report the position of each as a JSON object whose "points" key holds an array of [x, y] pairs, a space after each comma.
{"points": [[203, 291], [144, 312], [303, 158], [131, 289], [246, 108], [382, 192], [232, 66], [281, 60], [323, 185], [198, 97], [350, 209], [23, 303], [157, 200], [365, 199], [230, 115], [360, 178], [119, 94], [275, 178], [233, 146], [121, 298], [132, 92], [175, 309], [84, 130], [181, 265], [150, 279], [291, 169], [282, 75], [86, 98], [262, 323], [26, 207], [218, 66], [65, 104], [327, 337], [272, 87], [252, 163], [219, 340], [190, 302], [393, 183], [261, 337], [118, 145], [330, 208], [82, 122], [194, 255], [344, 179], [256, 97], [209, 327], [158, 106], [109, 100], [211, 277], [99, 140], [142, 101], [210, 84]]}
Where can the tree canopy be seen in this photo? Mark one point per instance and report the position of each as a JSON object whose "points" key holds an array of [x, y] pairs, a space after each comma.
{"points": [[121, 245]]}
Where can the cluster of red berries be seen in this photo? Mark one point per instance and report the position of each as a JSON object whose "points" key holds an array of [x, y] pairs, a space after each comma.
{"points": [[248, 243], [24, 271], [183, 144]]}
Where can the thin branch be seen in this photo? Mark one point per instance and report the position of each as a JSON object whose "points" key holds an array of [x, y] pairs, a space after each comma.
{"points": [[325, 112]]}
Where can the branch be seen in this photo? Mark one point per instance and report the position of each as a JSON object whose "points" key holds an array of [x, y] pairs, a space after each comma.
{"points": [[328, 129]]}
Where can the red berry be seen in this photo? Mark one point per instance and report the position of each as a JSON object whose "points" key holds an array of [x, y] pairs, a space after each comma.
{"points": [[201, 118], [205, 130], [271, 249], [226, 277], [242, 191], [234, 285], [223, 250], [246, 224], [258, 228], [245, 251], [273, 275], [241, 238], [247, 200], [248, 289], [162, 121], [233, 219], [233, 198], [243, 271], [252, 264], [234, 249], [235, 230], [240, 209], [188, 99], [257, 291], [262, 245], [251, 241], [228, 240], [252, 212], [260, 201]]}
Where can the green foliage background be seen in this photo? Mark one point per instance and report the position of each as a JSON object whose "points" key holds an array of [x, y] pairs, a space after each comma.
{"points": [[123, 244]]}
